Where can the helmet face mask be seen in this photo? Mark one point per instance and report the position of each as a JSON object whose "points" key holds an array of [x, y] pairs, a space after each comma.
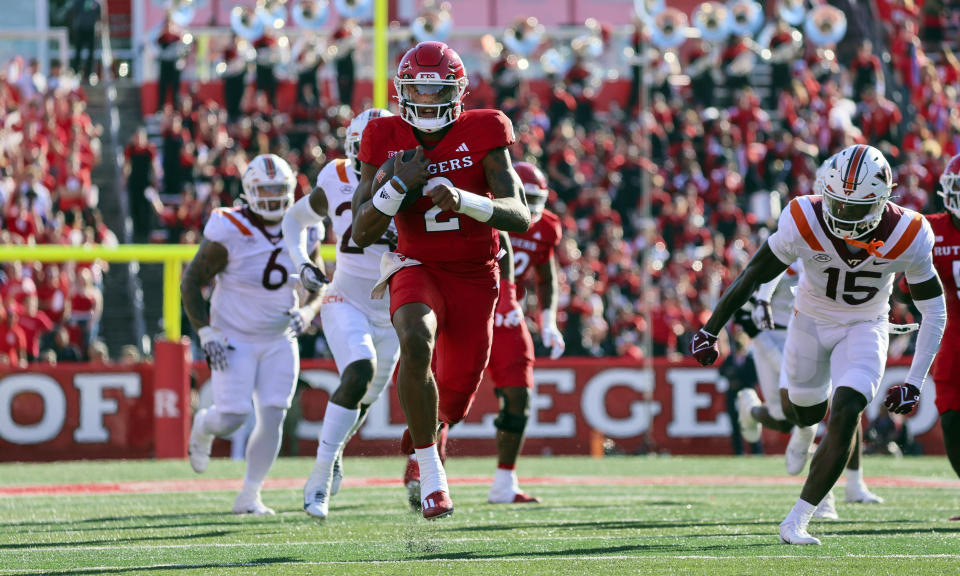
{"points": [[856, 184], [268, 184], [950, 186], [536, 200], [431, 84], [535, 188]]}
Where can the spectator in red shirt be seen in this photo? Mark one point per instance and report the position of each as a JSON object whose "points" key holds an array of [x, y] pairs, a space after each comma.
{"points": [[86, 306], [34, 324], [866, 70], [879, 118], [13, 342]]}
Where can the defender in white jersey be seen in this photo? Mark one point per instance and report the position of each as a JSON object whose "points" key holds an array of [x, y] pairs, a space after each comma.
{"points": [[358, 329], [772, 313], [249, 336], [852, 242]]}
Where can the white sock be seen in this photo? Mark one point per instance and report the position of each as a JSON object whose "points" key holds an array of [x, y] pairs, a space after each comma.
{"points": [[802, 510], [222, 424], [505, 479], [432, 475], [337, 423], [854, 477], [263, 446]]}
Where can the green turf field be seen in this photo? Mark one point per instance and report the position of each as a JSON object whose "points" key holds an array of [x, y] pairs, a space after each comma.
{"points": [[674, 523]]}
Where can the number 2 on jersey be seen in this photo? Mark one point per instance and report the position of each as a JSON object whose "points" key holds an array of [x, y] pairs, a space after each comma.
{"points": [[434, 225], [345, 247]]}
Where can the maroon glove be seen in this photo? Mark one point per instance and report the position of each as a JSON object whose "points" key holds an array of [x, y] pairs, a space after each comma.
{"points": [[902, 398], [704, 348]]}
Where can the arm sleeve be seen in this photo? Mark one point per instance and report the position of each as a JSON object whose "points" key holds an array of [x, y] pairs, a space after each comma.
{"points": [[934, 312], [296, 221], [921, 267], [783, 241]]}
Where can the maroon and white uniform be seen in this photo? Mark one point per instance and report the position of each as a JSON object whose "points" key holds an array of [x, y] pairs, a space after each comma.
{"points": [[946, 259], [459, 277], [511, 358]]}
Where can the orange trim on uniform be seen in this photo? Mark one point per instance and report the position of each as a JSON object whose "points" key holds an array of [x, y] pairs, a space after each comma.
{"points": [[907, 239], [804, 227], [342, 170], [236, 222]]}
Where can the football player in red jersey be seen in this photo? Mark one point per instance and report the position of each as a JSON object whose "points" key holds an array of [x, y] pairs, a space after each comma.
{"points": [[444, 277], [946, 259], [511, 358]]}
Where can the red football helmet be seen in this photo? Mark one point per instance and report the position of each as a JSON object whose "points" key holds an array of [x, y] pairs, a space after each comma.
{"points": [[950, 186], [431, 83], [534, 187]]}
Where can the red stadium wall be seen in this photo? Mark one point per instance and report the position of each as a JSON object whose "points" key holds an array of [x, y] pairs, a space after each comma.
{"points": [[90, 411]]}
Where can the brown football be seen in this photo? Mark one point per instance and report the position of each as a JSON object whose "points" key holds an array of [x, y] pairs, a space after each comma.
{"points": [[385, 173]]}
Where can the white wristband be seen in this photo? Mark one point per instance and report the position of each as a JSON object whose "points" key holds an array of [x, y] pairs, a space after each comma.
{"points": [[478, 207], [388, 199]]}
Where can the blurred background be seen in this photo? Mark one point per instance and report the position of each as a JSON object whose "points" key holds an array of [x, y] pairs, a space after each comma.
{"points": [[671, 134]]}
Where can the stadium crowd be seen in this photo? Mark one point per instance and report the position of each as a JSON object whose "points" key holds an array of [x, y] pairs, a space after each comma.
{"points": [[720, 164], [718, 169], [48, 149]]}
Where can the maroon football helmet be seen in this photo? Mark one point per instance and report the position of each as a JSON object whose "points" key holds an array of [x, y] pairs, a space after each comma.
{"points": [[431, 83], [950, 186], [534, 187]]}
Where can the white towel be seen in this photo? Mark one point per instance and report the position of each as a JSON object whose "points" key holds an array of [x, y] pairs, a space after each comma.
{"points": [[390, 262]]}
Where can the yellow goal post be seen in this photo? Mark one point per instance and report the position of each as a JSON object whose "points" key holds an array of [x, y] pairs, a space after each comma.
{"points": [[172, 256]]}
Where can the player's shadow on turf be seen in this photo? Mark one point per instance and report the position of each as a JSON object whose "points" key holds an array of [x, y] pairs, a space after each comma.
{"points": [[171, 567], [110, 519], [611, 525], [596, 551], [61, 544]]}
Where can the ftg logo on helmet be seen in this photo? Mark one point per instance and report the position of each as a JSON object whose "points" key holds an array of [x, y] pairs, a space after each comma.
{"points": [[856, 184], [431, 83], [268, 184]]}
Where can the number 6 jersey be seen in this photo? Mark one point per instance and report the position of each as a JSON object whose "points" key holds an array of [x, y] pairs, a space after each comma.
{"points": [[844, 285], [252, 295]]}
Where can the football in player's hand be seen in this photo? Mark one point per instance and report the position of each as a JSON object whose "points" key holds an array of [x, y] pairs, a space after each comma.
{"points": [[413, 172]]}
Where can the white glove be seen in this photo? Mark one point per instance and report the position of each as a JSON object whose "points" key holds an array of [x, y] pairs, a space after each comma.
{"points": [[214, 345], [312, 278], [511, 319], [762, 315], [301, 319], [552, 339]]}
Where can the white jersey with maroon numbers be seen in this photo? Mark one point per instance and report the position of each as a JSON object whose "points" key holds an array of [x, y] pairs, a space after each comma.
{"points": [[338, 181], [253, 294], [843, 285]]}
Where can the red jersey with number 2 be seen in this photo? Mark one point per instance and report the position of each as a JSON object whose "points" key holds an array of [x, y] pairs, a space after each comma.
{"points": [[534, 247], [425, 232]]}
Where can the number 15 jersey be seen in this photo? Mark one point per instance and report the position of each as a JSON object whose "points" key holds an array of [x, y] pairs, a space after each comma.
{"points": [[842, 286]]}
